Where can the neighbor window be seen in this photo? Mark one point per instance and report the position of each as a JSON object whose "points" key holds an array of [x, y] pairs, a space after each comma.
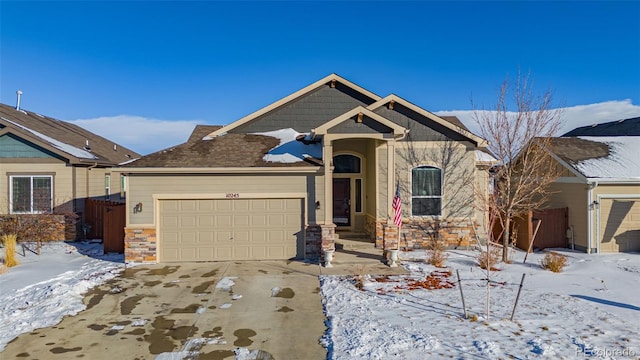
{"points": [[31, 194], [107, 186], [426, 191]]}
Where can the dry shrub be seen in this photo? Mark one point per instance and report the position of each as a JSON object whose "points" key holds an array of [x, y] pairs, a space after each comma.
{"points": [[359, 278], [9, 242], [492, 257], [554, 262], [436, 255]]}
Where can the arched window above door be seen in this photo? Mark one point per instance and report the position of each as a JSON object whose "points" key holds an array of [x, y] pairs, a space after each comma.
{"points": [[346, 164]]}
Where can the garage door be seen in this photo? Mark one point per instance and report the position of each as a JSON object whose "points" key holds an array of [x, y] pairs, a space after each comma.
{"points": [[619, 225], [230, 229]]}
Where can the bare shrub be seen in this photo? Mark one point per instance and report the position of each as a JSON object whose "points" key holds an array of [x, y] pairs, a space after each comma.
{"points": [[488, 259], [9, 242], [436, 255], [554, 262]]}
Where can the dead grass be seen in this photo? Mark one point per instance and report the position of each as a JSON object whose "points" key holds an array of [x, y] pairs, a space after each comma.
{"points": [[9, 242], [489, 258], [554, 262], [436, 255]]}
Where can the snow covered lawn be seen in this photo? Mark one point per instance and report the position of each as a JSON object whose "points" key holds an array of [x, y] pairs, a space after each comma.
{"points": [[590, 310], [44, 288]]}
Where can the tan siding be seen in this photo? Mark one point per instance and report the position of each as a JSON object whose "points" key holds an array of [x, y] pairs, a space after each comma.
{"points": [[617, 190], [96, 184], [143, 188], [62, 181], [573, 196], [458, 183]]}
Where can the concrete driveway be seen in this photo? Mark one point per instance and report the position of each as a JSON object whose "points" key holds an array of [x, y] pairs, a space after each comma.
{"points": [[152, 309], [208, 309]]}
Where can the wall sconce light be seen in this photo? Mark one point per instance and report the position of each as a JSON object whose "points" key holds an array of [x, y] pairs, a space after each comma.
{"points": [[318, 205], [137, 208], [594, 205]]}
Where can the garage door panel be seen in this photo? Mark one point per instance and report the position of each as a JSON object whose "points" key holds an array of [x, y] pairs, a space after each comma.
{"points": [[241, 220], [276, 220], [619, 225], [235, 229], [223, 221], [258, 206], [188, 221]]}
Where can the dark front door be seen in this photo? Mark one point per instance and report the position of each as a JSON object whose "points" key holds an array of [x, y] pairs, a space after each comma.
{"points": [[342, 202]]}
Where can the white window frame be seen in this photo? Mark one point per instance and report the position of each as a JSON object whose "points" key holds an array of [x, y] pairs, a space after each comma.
{"points": [[441, 196], [107, 186], [31, 177]]}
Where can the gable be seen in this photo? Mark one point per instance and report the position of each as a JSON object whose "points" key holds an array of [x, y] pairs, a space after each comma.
{"points": [[366, 126], [420, 127], [12, 146], [308, 111]]}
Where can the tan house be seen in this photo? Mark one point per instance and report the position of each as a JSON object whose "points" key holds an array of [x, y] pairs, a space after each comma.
{"points": [[52, 166], [289, 179], [600, 186]]}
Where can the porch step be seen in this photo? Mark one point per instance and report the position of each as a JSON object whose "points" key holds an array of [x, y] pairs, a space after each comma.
{"points": [[354, 243]]}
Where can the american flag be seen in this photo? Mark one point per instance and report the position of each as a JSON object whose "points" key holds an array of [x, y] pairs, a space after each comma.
{"points": [[397, 207]]}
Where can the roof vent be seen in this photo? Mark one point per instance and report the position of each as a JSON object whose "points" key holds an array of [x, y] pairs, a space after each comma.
{"points": [[19, 93], [115, 147], [86, 145]]}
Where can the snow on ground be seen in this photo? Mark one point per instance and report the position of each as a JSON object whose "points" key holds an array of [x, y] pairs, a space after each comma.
{"points": [[44, 288], [590, 310]]}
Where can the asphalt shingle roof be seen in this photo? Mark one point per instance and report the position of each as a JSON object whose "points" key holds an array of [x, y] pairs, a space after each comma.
{"points": [[65, 132]]}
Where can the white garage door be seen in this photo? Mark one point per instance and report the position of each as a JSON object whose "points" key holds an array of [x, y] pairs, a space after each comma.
{"points": [[619, 225], [230, 229]]}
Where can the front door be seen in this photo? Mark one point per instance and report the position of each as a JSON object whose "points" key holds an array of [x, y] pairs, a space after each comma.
{"points": [[342, 202]]}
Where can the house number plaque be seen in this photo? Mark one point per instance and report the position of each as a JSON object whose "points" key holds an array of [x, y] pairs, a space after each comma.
{"points": [[233, 195]]}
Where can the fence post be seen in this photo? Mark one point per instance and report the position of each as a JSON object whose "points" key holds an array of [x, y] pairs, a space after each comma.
{"points": [[464, 307], [517, 297]]}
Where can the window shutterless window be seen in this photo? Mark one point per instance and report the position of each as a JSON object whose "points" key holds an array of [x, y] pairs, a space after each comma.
{"points": [[107, 186], [426, 191], [29, 194]]}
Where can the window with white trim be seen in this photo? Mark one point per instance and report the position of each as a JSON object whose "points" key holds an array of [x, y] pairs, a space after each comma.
{"points": [[31, 194], [107, 186], [426, 191]]}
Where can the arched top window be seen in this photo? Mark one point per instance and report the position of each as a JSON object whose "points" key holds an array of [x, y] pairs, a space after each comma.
{"points": [[346, 164], [426, 191]]}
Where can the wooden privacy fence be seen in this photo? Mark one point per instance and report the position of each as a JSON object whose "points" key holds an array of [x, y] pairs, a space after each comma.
{"points": [[551, 234], [107, 220]]}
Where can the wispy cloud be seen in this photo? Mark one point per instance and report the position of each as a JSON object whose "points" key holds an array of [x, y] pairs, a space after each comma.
{"points": [[573, 116], [144, 135]]}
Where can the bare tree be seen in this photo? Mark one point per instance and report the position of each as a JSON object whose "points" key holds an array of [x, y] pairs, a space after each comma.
{"points": [[519, 130]]}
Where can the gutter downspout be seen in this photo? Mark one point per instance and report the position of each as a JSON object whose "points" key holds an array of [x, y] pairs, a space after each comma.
{"points": [[591, 207]]}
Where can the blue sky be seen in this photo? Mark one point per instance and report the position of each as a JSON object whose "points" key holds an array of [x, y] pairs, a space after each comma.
{"points": [[170, 65]]}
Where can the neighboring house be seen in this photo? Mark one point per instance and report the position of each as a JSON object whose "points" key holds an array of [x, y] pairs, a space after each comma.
{"points": [[600, 185], [287, 180], [52, 166]]}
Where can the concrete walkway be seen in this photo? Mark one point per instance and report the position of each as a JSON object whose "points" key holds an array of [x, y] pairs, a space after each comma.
{"points": [[272, 307]]}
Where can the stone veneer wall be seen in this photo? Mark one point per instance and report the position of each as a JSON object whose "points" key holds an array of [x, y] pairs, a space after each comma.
{"points": [[318, 239], [418, 233], [140, 245]]}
